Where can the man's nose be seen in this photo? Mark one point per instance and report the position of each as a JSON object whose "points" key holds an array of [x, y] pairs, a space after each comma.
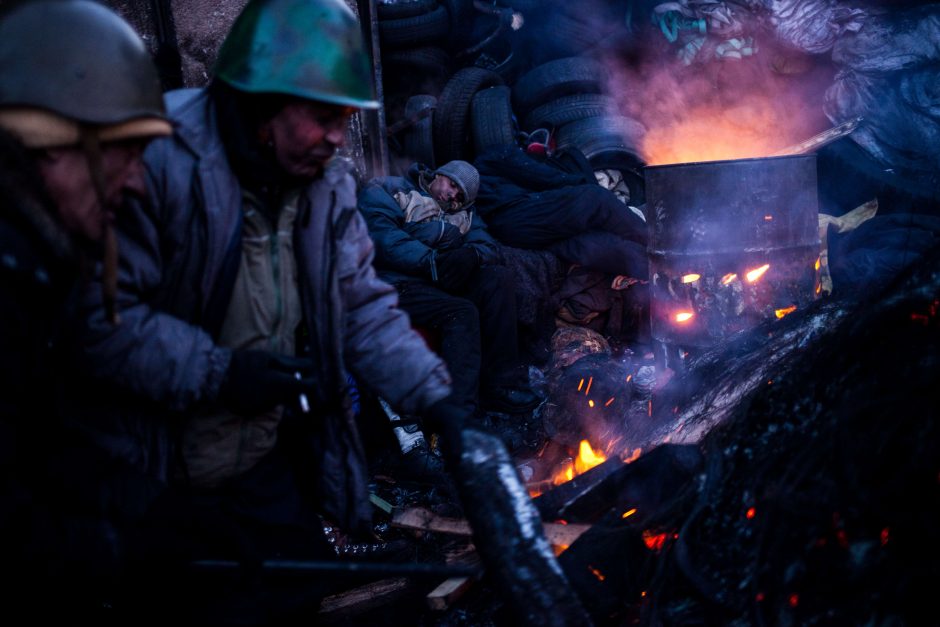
{"points": [[336, 133], [134, 181]]}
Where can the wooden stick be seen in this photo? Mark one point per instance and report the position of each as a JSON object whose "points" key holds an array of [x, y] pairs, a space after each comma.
{"points": [[449, 592], [363, 599], [557, 534]]}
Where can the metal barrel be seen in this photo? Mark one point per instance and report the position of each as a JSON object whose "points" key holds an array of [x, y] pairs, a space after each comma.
{"points": [[731, 244]]}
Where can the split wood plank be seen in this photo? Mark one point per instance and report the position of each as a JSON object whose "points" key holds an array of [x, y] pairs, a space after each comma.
{"points": [[451, 590], [557, 534], [441, 597], [364, 598]]}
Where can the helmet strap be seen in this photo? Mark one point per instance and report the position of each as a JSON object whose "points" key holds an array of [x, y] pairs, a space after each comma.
{"points": [[91, 146]]}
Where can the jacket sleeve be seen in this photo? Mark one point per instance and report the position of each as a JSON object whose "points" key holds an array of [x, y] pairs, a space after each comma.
{"points": [[151, 353], [511, 163], [480, 240], [381, 349], [395, 249]]}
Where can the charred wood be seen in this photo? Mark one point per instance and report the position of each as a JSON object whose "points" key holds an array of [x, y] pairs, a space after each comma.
{"points": [[818, 499]]}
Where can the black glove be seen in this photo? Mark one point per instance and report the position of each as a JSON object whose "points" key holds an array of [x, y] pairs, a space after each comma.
{"points": [[448, 419], [454, 267], [258, 381]]}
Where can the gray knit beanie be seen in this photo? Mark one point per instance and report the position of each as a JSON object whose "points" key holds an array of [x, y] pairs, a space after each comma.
{"points": [[465, 176]]}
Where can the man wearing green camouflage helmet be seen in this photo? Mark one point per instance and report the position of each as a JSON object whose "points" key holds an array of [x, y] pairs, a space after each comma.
{"points": [[247, 298], [248, 295]]}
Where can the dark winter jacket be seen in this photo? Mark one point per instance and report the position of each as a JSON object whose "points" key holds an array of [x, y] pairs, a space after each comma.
{"points": [[56, 493], [180, 255], [508, 175], [407, 250]]}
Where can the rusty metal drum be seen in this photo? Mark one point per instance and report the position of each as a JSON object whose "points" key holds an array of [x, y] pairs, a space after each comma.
{"points": [[731, 244]]}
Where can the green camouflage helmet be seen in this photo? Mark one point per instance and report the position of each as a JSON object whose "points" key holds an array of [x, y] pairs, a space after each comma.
{"points": [[307, 48], [76, 59]]}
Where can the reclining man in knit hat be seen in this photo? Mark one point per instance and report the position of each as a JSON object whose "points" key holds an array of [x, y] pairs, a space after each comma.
{"points": [[433, 247]]}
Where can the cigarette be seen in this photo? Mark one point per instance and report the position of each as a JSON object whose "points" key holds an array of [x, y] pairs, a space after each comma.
{"points": [[304, 403]]}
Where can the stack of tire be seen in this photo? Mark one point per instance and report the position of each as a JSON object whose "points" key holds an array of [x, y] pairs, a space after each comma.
{"points": [[421, 43], [414, 59], [566, 97], [473, 112]]}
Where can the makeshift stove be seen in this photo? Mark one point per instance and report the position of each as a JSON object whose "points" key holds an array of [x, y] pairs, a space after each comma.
{"points": [[732, 244]]}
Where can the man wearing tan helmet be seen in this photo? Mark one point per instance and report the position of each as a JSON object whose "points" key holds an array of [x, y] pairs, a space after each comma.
{"points": [[79, 101]]}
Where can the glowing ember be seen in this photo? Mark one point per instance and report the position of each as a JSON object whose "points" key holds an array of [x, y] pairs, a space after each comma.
{"points": [[654, 541], [691, 278], [768, 218], [780, 313], [635, 455], [816, 265], [581, 385], [590, 381], [628, 513], [611, 400], [884, 535], [756, 273], [728, 278], [751, 512], [590, 403], [684, 316], [794, 600], [596, 573]]}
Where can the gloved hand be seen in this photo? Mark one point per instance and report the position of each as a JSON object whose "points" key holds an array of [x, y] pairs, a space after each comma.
{"points": [[454, 267], [448, 420], [258, 381]]}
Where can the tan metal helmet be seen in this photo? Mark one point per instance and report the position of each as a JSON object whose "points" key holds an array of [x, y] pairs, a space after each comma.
{"points": [[70, 66]]}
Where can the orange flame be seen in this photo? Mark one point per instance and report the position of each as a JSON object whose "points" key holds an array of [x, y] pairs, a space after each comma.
{"points": [[590, 403], [684, 316], [631, 512], [728, 278], [587, 458], [691, 278], [817, 265], [756, 273], [780, 313], [713, 132]]}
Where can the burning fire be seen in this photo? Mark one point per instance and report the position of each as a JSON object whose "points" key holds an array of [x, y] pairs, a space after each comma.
{"points": [[684, 316], [587, 458], [756, 273], [713, 132], [728, 278], [691, 278]]}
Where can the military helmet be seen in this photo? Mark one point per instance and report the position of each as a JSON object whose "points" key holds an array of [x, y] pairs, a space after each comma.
{"points": [[312, 49], [75, 63]]}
